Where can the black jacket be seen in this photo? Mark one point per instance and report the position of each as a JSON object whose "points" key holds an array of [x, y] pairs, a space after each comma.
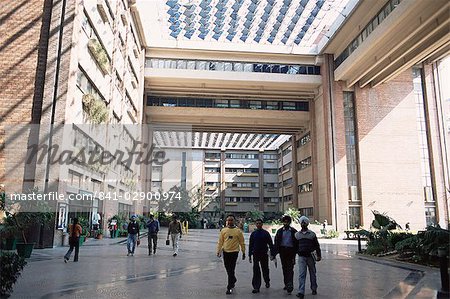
{"points": [[279, 236]]}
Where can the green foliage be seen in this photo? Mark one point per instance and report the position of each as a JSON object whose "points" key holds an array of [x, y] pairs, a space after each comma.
{"points": [[84, 222], [24, 214], [381, 236], [95, 108], [396, 237], [190, 217], [253, 215], [11, 265], [295, 214], [375, 247], [331, 233], [100, 55]]}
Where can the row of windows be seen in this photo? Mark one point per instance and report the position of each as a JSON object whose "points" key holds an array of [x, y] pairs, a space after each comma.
{"points": [[241, 199], [235, 104], [242, 156], [241, 170], [354, 44], [227, 66], [242, 185]]}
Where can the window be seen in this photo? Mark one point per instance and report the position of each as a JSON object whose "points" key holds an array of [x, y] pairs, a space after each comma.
{"points": [[307, 187], [212, 169], [156, 185], [287, 150], [286, 167], [271, 185], [124, 209], [271, 199], [272, 105], [156, 169], [75, 179], [287, 183], [221, 103], [308, 212], [212, 156], [354, 217], [270, 171], [304, 163], [270, 156], [304, 140], [255, 105]]}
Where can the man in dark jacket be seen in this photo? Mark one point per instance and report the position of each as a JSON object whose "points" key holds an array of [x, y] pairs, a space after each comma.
{"points": [[260, 239], [308, 254], [153, 229], [133, 232], [286, 245]]}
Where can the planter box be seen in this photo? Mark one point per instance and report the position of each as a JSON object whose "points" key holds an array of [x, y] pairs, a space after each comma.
{"points": [[24, 249], [9, 244]]}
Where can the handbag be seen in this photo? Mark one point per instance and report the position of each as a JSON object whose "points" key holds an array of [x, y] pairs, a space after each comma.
{"points": [[167, 242], [314, 255]]}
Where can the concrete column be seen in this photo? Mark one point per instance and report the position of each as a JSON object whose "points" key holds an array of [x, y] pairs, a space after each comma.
{"points": [[294, 172], [261, 180], [222, 180]]}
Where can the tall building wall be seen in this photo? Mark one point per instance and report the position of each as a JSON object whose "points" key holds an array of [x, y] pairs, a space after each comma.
{"points": [[24, 31], [389, 152]]}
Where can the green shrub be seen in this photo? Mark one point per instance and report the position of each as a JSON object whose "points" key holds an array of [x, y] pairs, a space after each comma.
{"points": [[11, 264], [331, 233], [395, 237]]}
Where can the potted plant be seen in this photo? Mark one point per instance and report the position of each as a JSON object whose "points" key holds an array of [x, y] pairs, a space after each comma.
{"points": [[11, 264], [23, 216], [100, 234], [84, 222]]}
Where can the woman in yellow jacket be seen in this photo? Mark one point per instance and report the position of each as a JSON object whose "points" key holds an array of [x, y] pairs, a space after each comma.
{"points": [[230, 239]]}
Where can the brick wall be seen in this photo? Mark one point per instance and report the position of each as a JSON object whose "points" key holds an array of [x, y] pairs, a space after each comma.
{"points": [[23, 29]]}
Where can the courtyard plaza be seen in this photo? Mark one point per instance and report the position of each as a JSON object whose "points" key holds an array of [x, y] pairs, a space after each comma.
{"points": [[105, 271]]}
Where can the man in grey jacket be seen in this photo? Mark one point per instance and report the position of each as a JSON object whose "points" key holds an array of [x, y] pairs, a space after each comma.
{"points": [[308, 253]]}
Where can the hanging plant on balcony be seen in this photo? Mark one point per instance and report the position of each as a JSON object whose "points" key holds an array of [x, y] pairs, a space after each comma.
{"points": [[95, 108], [100, 55]]}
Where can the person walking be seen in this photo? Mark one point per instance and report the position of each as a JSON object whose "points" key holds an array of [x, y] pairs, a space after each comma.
{"points": [[75, 232], [230, 239], [308, 253], [260, 240], [286, 245], [175, 232], [153, 229], [133, 235]]}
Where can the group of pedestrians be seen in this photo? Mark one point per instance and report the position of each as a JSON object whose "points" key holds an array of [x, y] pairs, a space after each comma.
{"points": [[174, 234], [288, 243]]}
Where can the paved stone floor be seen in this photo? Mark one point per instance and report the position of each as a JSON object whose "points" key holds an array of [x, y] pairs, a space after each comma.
{"points": [[104, 271]]}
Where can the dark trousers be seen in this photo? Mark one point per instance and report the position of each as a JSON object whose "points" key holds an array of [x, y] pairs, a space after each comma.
{"points": [[74, 243], [152, 239], [260, 259], [229, 260], [287, 257]]}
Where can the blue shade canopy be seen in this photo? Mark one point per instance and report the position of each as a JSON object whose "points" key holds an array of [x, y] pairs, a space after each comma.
{"points": [[265, 22]]}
